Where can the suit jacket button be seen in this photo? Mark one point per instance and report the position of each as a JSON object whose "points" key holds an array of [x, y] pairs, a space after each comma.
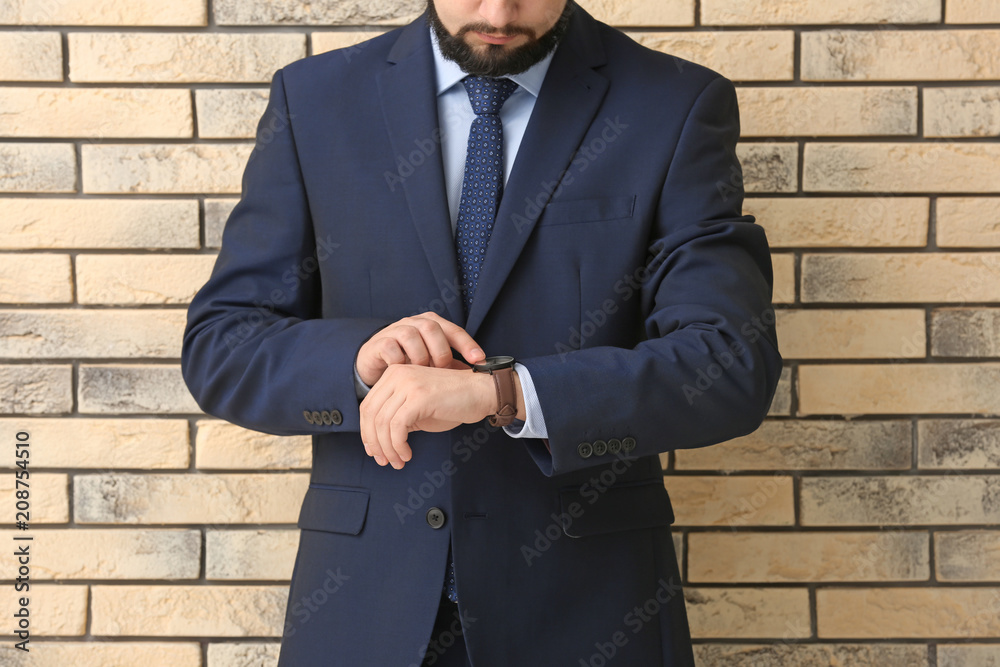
{"points": [[317, 417], [600, 448], [327, 419], [585, 449], [435, 517], [337, 418], [614, 446], [308, 416], [628, 444]]}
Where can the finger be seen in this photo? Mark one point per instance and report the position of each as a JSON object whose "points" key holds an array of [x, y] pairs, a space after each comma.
{"points": [[411, 340], [369, 408], [459, 339], [383, 422], [399, 431]]}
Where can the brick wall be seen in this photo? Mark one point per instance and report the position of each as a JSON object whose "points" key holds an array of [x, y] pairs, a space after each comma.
{"points": [[858, 526]]}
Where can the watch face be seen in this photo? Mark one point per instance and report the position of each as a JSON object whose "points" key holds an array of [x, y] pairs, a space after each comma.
{"points": [[494, 363]]}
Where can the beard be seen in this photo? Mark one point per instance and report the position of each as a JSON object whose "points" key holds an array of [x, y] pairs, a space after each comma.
{"points": [[496, 60]]}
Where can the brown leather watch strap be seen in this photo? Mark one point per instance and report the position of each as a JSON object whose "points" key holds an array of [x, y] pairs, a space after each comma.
{"points": [[506, 397]]}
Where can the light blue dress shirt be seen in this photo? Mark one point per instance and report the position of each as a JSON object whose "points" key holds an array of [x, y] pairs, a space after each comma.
{"points": [[455, 116]]}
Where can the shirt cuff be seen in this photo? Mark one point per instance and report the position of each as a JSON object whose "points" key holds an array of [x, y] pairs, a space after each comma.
{"points": [[533, 425], [359, 385]]}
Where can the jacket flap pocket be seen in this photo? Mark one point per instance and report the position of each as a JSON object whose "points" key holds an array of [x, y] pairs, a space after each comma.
{"points": [[335, 509], [587, 210], [629, 506]]}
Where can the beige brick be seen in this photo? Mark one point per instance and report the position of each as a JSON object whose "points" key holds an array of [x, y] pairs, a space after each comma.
{"points": [[216, 213], [324, 12], [30, 56], [54, 609], [27, 334], [968, 655], [783, 265], [223, 445], [901, 501], [967, 555], [164, 168], [28, 223], [757, 12], [917, 613], [103, 654], [954, 444], [641, 12], [134, 389], [961, 112], [141, 279], [965, 332], [827, 111], [739, 55], [745, 613], [49, 497], [893, 55], [35, 278], [104, 12], [923, 167], [230, 113], [842, 222], [343, 39], [781, 404], [250, 554], [968, 222], [972, 11], [899, 389], [97, 113], [135, 57], [769, 167], [256, 654], [784, 654], [188, 611], [678, 539], [805, 557], [901, 278], [851, 334], [808, 445], [85, 553], [186, 498], [36, 390], [732, 501], [105, 443], [37, 168]]}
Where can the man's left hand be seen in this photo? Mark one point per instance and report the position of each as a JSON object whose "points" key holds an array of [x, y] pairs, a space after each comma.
{"points": [[420, 398]]}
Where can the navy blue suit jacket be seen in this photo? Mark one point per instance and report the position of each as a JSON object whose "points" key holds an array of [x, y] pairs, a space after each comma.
{"points": [[621, 272]]}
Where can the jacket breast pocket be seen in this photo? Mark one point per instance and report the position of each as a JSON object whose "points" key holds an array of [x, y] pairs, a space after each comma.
{"points": [[624, 506], [587, 210], [334, 509]]}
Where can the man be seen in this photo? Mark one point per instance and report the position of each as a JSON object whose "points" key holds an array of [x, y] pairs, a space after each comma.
{"points": [[575, 203]]}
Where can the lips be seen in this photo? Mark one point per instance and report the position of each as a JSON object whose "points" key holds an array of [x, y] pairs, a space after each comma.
{"points": [[494, 39]]}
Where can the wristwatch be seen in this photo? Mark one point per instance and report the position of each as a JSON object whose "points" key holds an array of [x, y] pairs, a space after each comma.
{"points": [[502, 370]]}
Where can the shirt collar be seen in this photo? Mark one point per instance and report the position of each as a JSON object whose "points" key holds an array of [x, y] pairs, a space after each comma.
{"points": [[449, 73]]}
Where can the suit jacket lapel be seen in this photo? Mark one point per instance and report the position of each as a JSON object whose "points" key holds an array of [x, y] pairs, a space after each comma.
{"points": [[408, 91], [567, 103]]}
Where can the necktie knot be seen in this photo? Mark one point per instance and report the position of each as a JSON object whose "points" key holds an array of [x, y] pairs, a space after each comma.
{"points": [[488, 94]]}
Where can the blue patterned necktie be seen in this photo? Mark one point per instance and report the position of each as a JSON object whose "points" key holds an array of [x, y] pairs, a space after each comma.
{"points": [[482, 183], [482, 186]]}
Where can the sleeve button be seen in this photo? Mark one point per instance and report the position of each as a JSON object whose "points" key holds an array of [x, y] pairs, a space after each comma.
{"points": [[614, 446], [585, 450], [308, 416], [628, 444], [336, 417], [600, 448]]}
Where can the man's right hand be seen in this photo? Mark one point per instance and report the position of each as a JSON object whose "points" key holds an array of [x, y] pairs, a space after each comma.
{"points": [[423, 340]]}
